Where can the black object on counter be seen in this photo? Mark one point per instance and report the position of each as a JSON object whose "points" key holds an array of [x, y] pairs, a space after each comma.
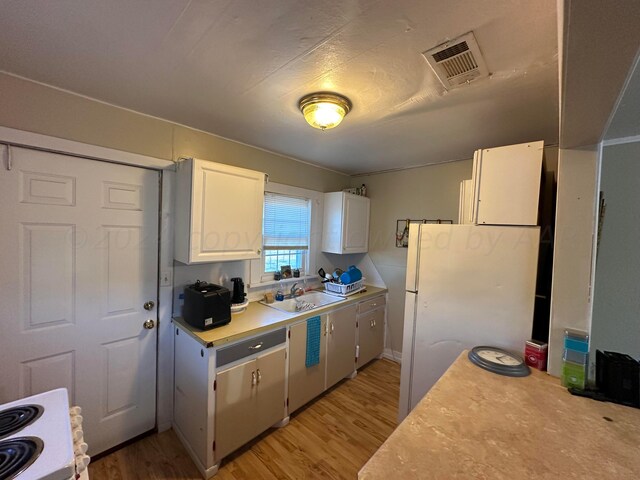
{"points": [[238, 291], [618, 377], [206, 305]]}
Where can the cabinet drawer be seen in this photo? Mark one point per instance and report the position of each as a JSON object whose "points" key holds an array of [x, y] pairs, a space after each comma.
{"points": [[246, 348], [369, 305]]}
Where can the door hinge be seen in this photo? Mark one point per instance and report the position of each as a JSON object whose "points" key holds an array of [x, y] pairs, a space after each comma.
{"points": [[215, 385], [285, 354], [214, 446], [287, 401], [289, 333]]}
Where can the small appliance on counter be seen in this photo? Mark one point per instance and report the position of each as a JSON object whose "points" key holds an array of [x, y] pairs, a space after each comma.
{"points": [[239, 300], [238, 291], [206, 305]]}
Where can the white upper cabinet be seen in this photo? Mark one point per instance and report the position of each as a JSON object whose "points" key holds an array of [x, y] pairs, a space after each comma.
{"points": [[346, 223], [506, 184], [218, 212]]}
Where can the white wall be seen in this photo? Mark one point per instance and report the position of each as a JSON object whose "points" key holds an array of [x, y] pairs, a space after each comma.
{"points": [[37, 108], [616, 303], [425, 192], [575, 221]]}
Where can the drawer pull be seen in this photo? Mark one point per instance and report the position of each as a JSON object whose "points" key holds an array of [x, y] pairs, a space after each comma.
{"points": [[253, 379], [259, 376], [257, 346], [332, 328], [374, 304]]}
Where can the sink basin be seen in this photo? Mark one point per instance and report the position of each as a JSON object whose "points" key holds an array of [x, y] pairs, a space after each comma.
{"points": [[304, 303]]}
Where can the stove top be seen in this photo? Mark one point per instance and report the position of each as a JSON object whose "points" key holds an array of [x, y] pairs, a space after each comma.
{"points": [[35, 438], [17, 454], [14, 419]]}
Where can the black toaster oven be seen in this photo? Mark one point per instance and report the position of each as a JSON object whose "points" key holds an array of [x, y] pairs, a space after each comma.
{"points": [[206, 305]]}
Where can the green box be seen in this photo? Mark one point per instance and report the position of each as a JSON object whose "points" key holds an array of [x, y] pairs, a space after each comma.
{"points": [[574, 375]]}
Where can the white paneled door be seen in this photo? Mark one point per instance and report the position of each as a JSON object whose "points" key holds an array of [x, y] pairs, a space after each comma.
{"points": [[79, 261]]}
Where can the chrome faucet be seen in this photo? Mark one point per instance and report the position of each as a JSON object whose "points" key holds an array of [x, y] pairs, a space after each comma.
{"points": [[296, 291]]}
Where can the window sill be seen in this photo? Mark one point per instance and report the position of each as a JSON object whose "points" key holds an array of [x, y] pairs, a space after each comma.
{"points": [[285, 281]]}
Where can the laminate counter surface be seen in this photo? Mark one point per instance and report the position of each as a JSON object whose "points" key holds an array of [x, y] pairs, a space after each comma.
{"points": [[476, 424], [258, 318]]}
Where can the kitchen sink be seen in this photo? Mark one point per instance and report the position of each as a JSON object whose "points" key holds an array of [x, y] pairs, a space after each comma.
{"points": [[304, 303]]}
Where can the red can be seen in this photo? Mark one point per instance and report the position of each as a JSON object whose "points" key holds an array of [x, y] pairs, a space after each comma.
{"points": [[535, 354]]}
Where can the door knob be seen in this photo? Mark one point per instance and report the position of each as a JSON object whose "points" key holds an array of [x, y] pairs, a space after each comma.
{"points": [[149, 324], [148, 305]]}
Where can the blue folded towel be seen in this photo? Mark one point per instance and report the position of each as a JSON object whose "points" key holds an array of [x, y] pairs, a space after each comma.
{"points": [[313, 342]]}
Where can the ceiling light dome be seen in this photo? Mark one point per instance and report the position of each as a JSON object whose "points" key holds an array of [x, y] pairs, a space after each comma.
{"points": [[324, 110]]}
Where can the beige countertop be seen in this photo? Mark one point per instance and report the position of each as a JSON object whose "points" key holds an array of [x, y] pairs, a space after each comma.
{"points": [[474, 424], [257, 318]]}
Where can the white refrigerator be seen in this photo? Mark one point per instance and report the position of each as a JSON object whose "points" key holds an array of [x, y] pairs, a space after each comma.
{"points": [[466, 285]]}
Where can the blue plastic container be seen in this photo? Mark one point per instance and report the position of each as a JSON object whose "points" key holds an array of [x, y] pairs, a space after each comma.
{"points": [[352, 275]]}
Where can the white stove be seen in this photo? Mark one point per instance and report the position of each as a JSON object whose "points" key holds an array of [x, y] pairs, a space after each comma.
{"points": [[41, 438]]}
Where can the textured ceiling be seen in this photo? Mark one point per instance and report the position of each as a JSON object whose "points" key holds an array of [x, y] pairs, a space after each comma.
{"points": [[238, 68], [626, 119], [601, 44]]}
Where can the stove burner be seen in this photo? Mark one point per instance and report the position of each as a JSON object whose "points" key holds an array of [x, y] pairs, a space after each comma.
{"points": [[17, 454], [15, 419]]}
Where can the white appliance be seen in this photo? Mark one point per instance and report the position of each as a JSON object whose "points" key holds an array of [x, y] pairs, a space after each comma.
{"points": [[41, 438], [466, 285]]}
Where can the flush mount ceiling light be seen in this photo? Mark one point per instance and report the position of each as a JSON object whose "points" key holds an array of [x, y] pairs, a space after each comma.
{"points": [[324, 110]]}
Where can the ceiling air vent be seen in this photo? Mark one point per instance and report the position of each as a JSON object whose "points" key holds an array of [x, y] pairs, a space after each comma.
{"points": [[458, 61]]}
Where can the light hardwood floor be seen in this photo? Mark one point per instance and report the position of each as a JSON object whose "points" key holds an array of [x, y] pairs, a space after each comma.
{"points": [[332, 437]]}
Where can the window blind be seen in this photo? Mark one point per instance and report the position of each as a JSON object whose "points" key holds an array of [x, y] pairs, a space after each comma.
{"points": [[286, 222]]}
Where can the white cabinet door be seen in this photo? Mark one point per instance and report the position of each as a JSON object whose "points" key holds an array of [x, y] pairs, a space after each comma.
{"points": [[80, 255], [346, 223], [466, 200], [370, 336], [356, 224], [341, 344], [507, 181], [236, 407], [218, 212], [270, 370], [305, 383]]}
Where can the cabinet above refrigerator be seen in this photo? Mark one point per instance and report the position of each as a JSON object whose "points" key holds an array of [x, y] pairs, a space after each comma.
{"points": [[505, 186]]}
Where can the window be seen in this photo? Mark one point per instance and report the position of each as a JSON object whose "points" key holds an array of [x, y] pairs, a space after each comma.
{"points": [[286, 232]]}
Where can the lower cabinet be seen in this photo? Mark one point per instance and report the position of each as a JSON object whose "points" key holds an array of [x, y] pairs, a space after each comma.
{"points": [[305, 383], [371, 321], [226, 396], [341, 344], [250, 397], [370, 336]]}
